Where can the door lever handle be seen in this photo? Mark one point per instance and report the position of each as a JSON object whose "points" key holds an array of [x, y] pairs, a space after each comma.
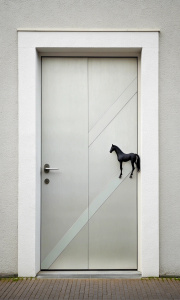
{"points": [[47, 168]]}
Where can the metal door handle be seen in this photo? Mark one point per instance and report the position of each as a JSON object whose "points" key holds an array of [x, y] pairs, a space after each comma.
{"points": [[47, 168]]}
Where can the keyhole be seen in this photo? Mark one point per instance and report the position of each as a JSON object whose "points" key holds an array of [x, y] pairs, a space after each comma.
{"points": [[46, 181]]}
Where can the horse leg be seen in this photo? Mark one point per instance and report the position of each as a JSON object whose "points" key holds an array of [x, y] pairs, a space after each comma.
{"points": [[132, 163], [120, 169], [136, 164]]}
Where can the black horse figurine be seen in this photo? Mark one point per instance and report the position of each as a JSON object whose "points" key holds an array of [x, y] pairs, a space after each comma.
{"points": [[134, 158]]}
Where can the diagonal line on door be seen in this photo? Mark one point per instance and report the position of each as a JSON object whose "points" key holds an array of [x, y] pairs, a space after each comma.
{"points": [[135, 78], [113, 111], [83, 219]]}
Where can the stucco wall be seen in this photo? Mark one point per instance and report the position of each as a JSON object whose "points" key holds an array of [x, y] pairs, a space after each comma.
{"points": [[137, 14]]}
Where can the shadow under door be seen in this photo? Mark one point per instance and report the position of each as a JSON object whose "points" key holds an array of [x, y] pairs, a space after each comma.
{"points": [[89, 215]]}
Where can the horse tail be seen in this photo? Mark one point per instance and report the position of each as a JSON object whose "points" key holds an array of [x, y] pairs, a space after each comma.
{"points": [[138, 162]]}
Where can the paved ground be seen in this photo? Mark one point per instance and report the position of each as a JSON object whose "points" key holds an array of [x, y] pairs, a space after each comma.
{"points": [[89, 289]]}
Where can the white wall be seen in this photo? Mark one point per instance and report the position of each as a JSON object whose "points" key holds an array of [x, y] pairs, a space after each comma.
{"points": [[138, 14]]}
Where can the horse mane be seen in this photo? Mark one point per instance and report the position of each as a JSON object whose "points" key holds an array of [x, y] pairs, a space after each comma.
{"points": [[116, 147]]}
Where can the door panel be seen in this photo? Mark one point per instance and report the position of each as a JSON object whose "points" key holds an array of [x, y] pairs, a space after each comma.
{"points": [[89, 215], [64, 145], [113, 227]]}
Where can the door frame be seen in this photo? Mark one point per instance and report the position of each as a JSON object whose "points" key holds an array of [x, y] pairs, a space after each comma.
{"points": [[31, 46]]}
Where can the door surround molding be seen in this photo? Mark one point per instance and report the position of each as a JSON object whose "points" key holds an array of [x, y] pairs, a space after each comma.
{"points": [[31, 45]]}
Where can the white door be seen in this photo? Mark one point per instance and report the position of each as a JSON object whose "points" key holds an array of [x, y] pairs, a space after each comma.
{"points": [[89, 215]]}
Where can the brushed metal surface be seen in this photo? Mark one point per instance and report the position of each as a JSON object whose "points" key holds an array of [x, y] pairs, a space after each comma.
{"points": [[89, 215], [64, 145], [113, 114]]}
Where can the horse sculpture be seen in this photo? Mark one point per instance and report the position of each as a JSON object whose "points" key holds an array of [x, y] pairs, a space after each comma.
{"points": [[122, 157]]}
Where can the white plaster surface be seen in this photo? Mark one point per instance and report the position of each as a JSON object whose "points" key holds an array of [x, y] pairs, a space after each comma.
{"points": [[163, 14]]}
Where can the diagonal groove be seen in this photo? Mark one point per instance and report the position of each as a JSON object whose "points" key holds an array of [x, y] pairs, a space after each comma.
{"points": [[99, 133], [113, 111], [135, 78], [82, 220]]}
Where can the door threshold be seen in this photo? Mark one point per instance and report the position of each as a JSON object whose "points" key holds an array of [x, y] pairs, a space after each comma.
{"points": [[89, 274]]}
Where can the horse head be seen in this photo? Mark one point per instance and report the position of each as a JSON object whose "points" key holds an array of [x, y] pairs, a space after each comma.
{"points": [[112, 148]]}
